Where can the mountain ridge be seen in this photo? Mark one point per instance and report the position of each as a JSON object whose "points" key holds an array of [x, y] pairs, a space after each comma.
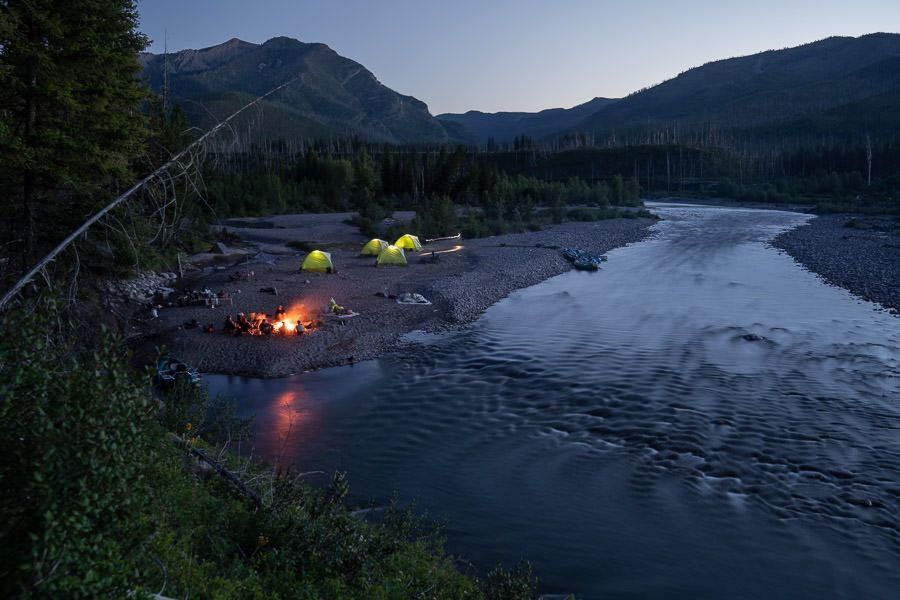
{"points": [[802, 90], [503, 126], [758, 90], [332, 95]]}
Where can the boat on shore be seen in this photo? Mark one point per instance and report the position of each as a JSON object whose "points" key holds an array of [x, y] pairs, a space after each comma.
{"points": [[170, 371], [583, 260]]}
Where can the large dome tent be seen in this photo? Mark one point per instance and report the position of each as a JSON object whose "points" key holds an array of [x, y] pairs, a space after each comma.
{"points": [[392, 255], [318, 262], [409, 242], [373, 247]]}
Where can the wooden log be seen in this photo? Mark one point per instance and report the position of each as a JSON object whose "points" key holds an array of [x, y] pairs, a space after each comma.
{"points": [[219, 468]]}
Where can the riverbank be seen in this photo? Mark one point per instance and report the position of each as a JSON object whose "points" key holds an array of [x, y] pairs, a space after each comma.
{"points": [[466, 278], [732, 203], [858, 253]]}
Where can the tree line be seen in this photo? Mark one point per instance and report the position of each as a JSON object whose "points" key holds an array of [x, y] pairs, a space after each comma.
{"points": [[442, 185]]}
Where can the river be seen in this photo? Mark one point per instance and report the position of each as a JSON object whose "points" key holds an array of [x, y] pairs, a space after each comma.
{"points": [[700, 419]]}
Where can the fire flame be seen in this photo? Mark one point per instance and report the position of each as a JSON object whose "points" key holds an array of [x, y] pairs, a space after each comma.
{"points": [[288, 325]]}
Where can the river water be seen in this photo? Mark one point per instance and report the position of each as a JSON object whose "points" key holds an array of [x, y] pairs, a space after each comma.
{"points": [[701, 419]]}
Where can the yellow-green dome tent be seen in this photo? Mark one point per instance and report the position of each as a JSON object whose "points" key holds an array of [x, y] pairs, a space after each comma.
{"points": [[392, 255], [318, 262], [373, 247], [409, 242]]}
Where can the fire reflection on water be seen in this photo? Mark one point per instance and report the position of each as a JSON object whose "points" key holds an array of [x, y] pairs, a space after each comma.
{"points": [[291, 416]]}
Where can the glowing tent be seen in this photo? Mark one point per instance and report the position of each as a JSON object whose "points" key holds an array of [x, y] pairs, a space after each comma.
{"points": [[318, 262], [373, 247], [409, 242], [392, 255]]}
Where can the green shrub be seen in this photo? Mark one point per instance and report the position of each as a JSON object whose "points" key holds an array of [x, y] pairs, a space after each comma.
{"points": [[99, 502], [75, 435]]}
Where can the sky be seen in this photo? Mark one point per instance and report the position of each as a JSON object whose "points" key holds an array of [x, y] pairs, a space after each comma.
{"points": [[494, 55]]}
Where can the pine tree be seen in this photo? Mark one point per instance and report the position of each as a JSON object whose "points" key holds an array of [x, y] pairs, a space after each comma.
{"points": [[70, 100]]}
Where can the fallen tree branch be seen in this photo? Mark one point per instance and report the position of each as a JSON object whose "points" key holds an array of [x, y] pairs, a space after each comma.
{"points": [[15, 289], [219, 468]]}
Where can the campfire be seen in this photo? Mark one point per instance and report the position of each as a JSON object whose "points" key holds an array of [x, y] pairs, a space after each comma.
{"points": [[282, 322], [296, 320]]}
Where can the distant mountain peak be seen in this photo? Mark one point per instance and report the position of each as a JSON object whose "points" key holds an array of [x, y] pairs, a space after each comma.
{"points": [[332, 95]]}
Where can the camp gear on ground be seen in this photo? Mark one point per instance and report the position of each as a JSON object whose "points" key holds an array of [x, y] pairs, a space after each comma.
{"points": [[197, 297], [318, 262], [392, 255], [336, 309], [409, 242], [412, 298], [263, 257], [373, 247], [347, 315]]}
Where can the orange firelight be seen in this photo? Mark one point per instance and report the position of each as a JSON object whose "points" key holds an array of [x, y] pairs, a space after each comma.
{"points": [[292, 316]]}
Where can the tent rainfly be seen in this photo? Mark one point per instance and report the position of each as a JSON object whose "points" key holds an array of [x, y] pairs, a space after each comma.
{"points": [[392, 255], [373, 247], [318, 262], [409, 242]]}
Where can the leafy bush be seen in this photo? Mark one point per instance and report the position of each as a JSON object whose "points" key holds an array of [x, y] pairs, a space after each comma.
{"points": [[75, 439], [99, 502]]}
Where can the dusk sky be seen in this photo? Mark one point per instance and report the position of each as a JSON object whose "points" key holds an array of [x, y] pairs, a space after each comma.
{"points": [[496, 55]]}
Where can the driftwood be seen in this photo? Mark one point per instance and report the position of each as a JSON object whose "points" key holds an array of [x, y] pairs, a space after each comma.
{"points": [[218, 467], [452, 237]]}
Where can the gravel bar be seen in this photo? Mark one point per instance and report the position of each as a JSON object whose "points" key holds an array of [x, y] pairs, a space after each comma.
{"points": [[863, 258], [468, 277]]}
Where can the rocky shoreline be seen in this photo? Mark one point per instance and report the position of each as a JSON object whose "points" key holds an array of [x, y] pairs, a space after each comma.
{"points": [[858, 253], [466, 278]]}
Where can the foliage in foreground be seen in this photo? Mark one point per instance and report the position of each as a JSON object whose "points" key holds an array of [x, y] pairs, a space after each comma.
{"points": [[99, 502]]}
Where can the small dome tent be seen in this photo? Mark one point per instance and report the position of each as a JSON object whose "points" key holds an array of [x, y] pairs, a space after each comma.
{"points": [[409, 242], [373, 247], [318, 262], [392, 255]]}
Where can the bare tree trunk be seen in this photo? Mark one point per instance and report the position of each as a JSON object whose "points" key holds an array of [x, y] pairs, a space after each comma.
{"points": [[869, 158], [28, 176]]}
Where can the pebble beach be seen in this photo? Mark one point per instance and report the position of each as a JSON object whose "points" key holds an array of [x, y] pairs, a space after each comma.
{"points": [[461, 280]]}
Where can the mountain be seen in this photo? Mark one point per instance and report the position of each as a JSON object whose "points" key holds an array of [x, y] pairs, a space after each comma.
{"points": [[839, 86], [332, 95], [803, 90], [504, 126]]}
